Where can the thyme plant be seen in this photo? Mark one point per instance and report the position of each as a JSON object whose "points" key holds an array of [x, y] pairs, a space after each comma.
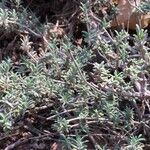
{"points": [[99, 91]]}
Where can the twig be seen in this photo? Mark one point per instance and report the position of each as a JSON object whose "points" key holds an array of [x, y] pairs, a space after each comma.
{"points": [[7, 136], [58, 114], [137, 110], [16, 144], [28, 29], [147, 104], [124, 93], [44, 107], [92, 85], [23, 141], [93, 140], [97, 19], [136, 5], [101, 136], [87, 123], [31, 56]]}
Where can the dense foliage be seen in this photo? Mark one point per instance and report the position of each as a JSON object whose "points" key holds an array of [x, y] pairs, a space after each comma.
{"points": [[67, 76]]}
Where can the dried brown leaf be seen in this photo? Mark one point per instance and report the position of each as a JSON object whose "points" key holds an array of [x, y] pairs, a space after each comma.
{"points": [[128, 16]]}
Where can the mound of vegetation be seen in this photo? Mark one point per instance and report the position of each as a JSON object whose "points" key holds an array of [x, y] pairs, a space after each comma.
{"points": [[74, 75]]}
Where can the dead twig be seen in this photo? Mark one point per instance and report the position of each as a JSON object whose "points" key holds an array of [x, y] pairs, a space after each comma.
{"points": [[58, 114], [24, 141]]}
